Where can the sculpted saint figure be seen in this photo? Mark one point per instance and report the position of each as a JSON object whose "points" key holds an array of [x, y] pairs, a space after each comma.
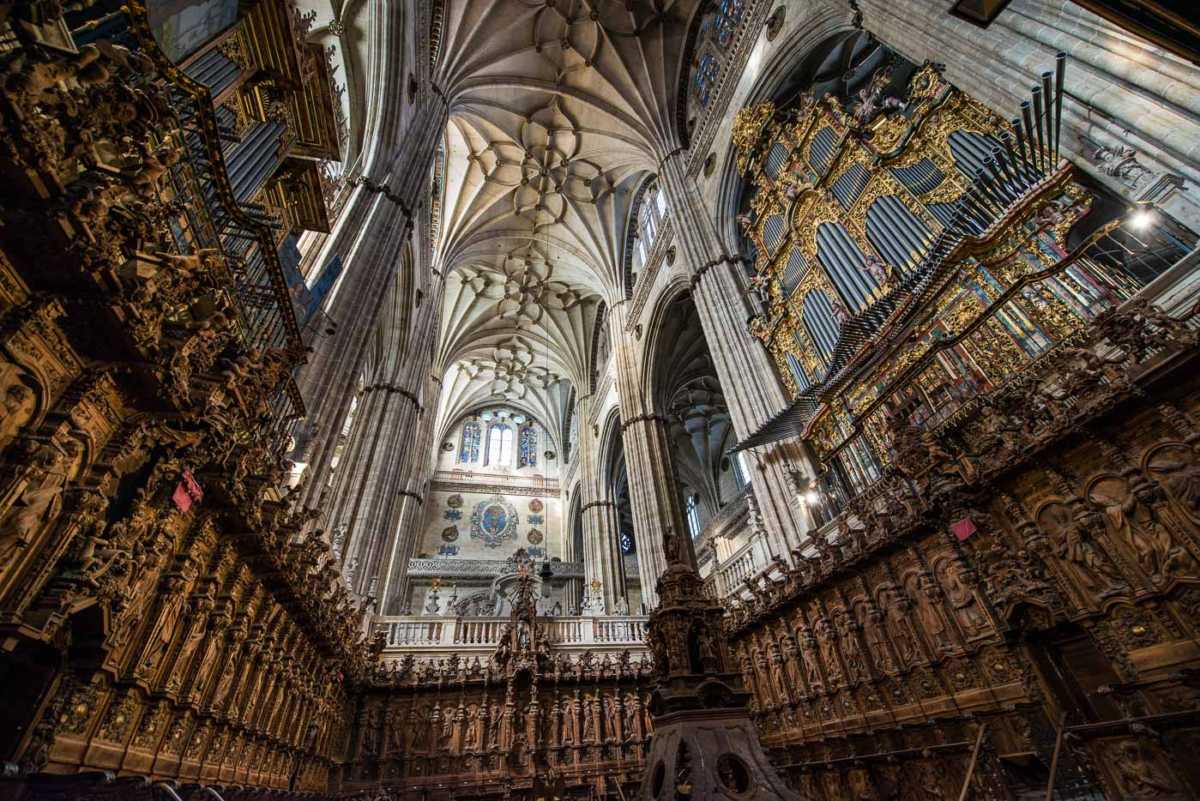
{"points": [[35, 498], [962, 599], [20, 403]]}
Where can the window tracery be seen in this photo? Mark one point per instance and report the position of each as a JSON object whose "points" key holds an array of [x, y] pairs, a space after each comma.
{"points": [[500, 444]]}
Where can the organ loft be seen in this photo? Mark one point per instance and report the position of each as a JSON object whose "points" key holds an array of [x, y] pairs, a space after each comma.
{"points": [[533, 400]]}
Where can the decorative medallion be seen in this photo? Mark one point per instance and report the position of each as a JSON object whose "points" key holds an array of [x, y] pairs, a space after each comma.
{"points": [[447, 446], [454, 501], [534, 520], [536, 505], [449, 533], [494, 521], [534, 536], [452, 514]]}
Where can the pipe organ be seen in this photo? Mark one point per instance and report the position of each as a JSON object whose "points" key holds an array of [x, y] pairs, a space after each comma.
{"points": [[913, 252]]}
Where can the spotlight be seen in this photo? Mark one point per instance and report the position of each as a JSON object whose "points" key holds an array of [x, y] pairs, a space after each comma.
{"points": [[811, 497], [1142, 219]]}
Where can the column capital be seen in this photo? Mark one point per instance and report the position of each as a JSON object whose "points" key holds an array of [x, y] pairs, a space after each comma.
{"points": [[644, 418], [679, 151], [392, 389], [724, 258], [410, 494]]}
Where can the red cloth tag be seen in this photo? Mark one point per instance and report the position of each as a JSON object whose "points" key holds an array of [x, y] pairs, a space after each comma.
{"points": [[183, 501], [187, 492], [963, 529]]}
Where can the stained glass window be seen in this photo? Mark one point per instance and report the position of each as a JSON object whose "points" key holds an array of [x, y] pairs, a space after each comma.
{"points": [[729, 13], [712, 42], [706, 75], [469, 452], [529, 447]]}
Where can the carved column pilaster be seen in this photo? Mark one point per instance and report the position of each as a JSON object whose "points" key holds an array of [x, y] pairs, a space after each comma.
{"points": [[601, 549], [747, 378]]}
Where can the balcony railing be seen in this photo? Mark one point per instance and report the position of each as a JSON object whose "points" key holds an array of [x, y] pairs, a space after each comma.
{"points": [[459, 634], [730, 576]]}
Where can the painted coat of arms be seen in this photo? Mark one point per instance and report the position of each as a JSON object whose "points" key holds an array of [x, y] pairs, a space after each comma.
{"points": [[494, 521]]}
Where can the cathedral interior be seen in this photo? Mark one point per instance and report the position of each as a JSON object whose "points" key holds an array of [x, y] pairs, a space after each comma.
{"points": [[610, 400]]}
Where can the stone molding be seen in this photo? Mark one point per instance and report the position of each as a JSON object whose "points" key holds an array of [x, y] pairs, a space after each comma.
{"points": [[480, 568], [528, 490]]}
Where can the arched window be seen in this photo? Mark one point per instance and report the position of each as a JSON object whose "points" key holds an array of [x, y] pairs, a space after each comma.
{"points": [[651, 209], [500, 446], [692, 510], [469, 452], [740, 474], [529, 447]]}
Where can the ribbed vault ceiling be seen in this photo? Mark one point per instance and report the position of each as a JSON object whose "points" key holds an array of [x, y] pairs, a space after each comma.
{"points": [[559, 110]]}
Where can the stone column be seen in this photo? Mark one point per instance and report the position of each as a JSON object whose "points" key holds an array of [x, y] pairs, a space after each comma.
{"points": [[601, 551], [369, 236], [653, 487], [1122, 91], [748, 379]]}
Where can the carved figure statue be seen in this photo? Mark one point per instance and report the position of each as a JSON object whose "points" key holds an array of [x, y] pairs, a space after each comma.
{"points": [[35, 498], [899, 626], [927, 599], [1134, 523], [570, 716], [1177, 469], [633, 718], [1091, 569], [612, 718], [591, 719], [1142, 778], [825, 642], [967, 611], [20, 403]]}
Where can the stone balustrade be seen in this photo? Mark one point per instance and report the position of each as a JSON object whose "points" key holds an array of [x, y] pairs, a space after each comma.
{"points": [[432, 635], [748, 560]]}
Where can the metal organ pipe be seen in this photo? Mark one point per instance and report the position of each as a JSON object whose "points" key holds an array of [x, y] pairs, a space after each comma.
{"points": [[1027, 119], [1047, 93], [1060, 69], [1037, 118]]}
